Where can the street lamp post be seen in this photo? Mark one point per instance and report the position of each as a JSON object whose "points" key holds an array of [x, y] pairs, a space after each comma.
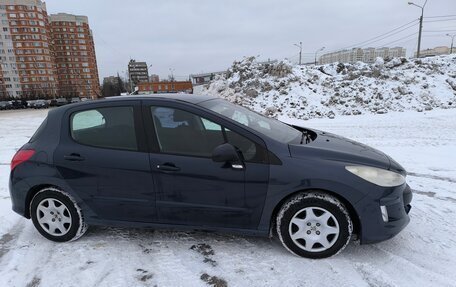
{"points": [[300, 52], [316, 52], [452, 40], [172, 74], [421, 25], [130, 79], [148, 67]]}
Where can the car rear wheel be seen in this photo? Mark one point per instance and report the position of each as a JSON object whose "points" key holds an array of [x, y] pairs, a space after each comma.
{"points": [[314, 225], [56, 215]]}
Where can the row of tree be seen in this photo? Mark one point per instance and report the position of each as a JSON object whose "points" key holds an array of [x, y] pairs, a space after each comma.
{"points": [[115, 88]]}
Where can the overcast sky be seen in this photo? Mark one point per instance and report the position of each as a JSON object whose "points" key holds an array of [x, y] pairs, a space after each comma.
{"points": [[193, 36]]}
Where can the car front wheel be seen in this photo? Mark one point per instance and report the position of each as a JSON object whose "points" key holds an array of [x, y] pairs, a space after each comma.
{"points": [[314, 225], [56, 215]]}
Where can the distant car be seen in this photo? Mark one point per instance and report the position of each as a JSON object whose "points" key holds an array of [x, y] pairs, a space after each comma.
{"points": [[75, 100], [61, 102], [198, 162], [30, 103], [5, 105], [19, 104], [40, 104]]}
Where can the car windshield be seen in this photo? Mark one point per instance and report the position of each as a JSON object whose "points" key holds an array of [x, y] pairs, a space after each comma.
{"points": [[267, 126]]}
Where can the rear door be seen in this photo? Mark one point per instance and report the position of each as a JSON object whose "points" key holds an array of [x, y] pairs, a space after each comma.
{"points": [[191, 188], [103, 157]]}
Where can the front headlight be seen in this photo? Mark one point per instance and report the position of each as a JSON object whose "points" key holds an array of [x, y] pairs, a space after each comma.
{"points": [[378, 176]]}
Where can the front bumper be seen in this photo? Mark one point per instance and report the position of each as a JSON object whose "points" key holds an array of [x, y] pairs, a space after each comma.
{"points": [[373, 227]]}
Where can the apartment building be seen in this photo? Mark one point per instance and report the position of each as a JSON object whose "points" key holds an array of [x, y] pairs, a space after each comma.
{"points": [[367, 55], [45, 56], [27, 66], [440, 50], [75, 57], [138, 72]]}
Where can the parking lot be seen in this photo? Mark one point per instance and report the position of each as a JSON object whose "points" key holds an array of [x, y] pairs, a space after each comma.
{"points": [[422, 255]]}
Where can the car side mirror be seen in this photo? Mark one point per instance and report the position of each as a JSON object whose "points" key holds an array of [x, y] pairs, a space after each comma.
{"points": [[227, 153]]}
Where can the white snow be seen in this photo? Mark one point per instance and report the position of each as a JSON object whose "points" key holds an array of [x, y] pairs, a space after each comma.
{"points": [[424, 254], [283, 89]]}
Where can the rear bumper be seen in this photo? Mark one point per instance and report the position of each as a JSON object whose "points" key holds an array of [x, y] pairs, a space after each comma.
{"points": [[376, 227], [18, 192]]}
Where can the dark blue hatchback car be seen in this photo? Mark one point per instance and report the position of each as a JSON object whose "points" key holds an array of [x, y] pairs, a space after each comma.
{"points": [[198, 162]]}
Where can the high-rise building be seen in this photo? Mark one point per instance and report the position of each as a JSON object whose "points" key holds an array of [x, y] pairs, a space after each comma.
{"points": [[138, 72], [45, 57], [27, 65], [367, 55], [74, 56]]}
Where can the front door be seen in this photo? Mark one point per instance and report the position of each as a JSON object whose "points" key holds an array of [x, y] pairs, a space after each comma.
{"points": [[191, 188]]}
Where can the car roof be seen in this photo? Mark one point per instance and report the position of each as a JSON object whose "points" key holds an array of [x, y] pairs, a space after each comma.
{"points": [[189, 98]]}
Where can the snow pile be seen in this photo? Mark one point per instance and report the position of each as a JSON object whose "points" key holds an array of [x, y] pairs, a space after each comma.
{"points": [[284, 89]]}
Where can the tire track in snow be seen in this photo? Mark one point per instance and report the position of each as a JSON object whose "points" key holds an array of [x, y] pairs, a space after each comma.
{"points": [[405, 263], [13, 269], [373, 276], [430, 176], [432, 194], [7, 239]]}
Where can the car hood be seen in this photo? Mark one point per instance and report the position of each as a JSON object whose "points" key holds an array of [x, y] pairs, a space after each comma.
{"points": [[333, 147]]}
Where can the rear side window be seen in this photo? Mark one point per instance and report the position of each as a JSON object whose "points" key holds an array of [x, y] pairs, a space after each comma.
{"points": [[112, 127]]}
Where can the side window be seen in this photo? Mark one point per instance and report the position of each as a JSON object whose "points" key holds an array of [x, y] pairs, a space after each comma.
{"points": [[208, 125], [181, 132], [87, 119], [105, 127]]}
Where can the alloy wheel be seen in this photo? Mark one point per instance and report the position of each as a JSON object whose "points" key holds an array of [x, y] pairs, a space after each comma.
{"points": [[314, 229], [54, 217]]}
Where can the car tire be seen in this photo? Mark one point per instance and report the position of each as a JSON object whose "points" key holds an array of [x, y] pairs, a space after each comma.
{"points": [[57, 216], [314, 225]]}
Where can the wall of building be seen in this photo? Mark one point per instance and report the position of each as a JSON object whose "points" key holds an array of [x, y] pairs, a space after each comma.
{"points": [[74, 56], [28, 67], [165, 87], [138, 72], [441, 50], [367, 55]]}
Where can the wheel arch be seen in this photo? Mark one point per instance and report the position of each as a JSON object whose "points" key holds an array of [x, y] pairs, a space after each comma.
{"points": [[32, 192], [351, 210]]}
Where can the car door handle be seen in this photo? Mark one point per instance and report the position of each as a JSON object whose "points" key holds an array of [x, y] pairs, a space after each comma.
{"points": [[73, 157], [168, 167]]}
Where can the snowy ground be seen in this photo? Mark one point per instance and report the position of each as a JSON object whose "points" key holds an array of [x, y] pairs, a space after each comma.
{"points": [[424, 254]]}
